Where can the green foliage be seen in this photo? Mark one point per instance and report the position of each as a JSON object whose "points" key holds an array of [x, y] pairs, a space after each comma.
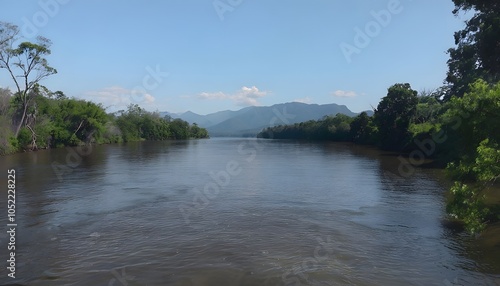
{"points": [[394, 114], [34, 53], [467, 205], [428, 110], [426, 129], [336, 128], [487, 163], [180, 129], [111, 134], [43, 131], [472, 119], [478, 165], [476, 54], [155, 128], [24, 137], [362, 129], [138, 124], [8, 143], [197, 132], [75, 122], [58, 121], [5, 98]]}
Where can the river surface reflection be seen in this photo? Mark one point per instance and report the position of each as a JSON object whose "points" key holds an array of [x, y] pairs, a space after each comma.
{"points": [[236, 212]]}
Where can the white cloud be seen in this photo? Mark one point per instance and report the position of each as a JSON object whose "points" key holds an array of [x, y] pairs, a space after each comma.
{"points": [[148, 98], [246, 96], [117, 96], [344, 93], [213, 95], [307, 100]]}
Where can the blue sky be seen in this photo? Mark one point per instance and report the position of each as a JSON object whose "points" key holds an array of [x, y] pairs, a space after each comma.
{"points": [[206, 55]]}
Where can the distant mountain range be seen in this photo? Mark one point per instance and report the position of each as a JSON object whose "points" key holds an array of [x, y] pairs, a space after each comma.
{"points": [[249, 121]]}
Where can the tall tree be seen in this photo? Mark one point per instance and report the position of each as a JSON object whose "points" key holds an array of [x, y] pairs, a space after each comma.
{"points": [[362, 130], [477, 54], [394, 114], [26, 65]]}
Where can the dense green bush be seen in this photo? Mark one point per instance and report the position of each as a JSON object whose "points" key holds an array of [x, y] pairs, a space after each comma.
{"points": [[337, 128], [477, 165], [138, 124]]}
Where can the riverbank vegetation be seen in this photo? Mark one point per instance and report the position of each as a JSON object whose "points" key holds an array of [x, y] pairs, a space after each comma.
{"points": [[33, 117], [457, 125]]}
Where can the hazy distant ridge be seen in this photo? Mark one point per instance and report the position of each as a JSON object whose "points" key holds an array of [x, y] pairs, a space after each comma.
{"points": [[251, 120]]}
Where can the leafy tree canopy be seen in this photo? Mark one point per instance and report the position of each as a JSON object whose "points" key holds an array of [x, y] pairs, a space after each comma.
{"points": [[394, 115], [477, 54]]}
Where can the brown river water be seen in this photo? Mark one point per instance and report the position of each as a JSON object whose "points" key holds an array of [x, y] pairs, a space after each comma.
{"points": [[235, 212]]}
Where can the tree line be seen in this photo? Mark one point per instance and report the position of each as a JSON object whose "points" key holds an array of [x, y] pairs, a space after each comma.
{"points": [[457, 125], [33, 117]]}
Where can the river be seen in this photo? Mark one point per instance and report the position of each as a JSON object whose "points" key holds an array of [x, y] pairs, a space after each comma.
{"points": [[235, 212]]}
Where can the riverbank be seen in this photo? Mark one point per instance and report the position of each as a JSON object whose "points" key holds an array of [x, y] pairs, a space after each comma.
{"points": [[70, 123]]}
